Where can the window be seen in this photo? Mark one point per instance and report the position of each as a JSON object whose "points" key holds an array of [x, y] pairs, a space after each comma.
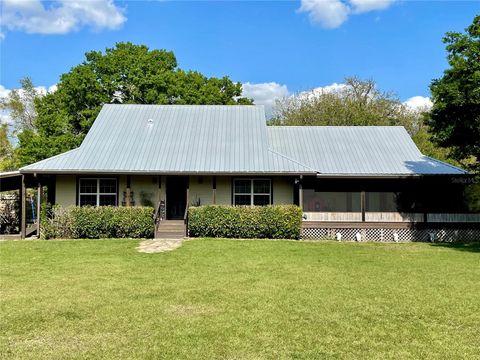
{"points": [[252, 192], [381, 201], [97, 192], [330, 201]]}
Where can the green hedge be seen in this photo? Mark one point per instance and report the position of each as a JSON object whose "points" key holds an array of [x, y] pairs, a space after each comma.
{"points": [[88, 222], [272, 222]]}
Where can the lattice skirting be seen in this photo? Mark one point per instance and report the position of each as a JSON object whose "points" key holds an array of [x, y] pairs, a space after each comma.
{"points": [[393, 235]]}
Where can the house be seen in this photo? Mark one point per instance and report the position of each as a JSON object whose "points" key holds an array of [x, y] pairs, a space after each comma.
{"points": [[348, 180]]}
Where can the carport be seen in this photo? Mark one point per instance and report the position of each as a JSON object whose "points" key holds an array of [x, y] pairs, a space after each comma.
{"points": [[16, 181]]}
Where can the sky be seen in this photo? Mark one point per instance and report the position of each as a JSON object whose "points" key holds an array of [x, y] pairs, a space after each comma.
{"points": [[274, 48]]}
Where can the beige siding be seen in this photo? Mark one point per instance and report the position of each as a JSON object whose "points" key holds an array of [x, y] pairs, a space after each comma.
{"points": [[145, 190], [201, 190], [65, 190], [224, 190], [282, 191]]}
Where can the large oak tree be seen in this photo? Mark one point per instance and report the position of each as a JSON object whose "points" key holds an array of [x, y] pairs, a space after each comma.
{"points": [[454, 120]]}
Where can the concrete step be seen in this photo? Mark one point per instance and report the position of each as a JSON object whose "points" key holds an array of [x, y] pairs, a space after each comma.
{"points": [[171, 230], [162, 235], [171, 225], [172, 222]]}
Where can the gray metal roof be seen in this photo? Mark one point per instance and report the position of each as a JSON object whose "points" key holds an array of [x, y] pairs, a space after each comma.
{"points": [[355, 150], [225, 139], [174, 139]]}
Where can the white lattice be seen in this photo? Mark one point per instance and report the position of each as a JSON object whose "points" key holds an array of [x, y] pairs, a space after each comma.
{"points": [[454, 235], [316, 233], [394, 235]]}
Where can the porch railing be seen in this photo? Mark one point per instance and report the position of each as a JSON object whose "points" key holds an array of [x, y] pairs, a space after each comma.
{"points": [[185, 220], [333, 216], [394, 217], [445, 218]]}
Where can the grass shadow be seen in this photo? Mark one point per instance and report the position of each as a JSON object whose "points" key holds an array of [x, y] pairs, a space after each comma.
{"points": [[471, 247]]}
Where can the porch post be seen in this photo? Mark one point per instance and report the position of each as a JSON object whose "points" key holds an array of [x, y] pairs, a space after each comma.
{"points": [[300, 193], [160, 188], [188, 191], [214, 190], [23, 210], [39, 200], [362, 204], [128, 202]]}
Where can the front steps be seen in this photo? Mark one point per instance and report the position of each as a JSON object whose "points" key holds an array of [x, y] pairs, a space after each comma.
{"points": [[170, 229]]}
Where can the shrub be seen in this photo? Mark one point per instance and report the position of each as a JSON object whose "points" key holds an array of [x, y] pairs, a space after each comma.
{"points": [[98, 222], [273, 222]]}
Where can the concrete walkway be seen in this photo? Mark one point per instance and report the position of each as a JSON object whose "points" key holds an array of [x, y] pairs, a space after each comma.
{"points": [[159, 245]]}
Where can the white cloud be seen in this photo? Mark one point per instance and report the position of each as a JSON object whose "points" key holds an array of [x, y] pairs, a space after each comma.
{"points": [[328, 89], [61, 16], [418, 103], [5, 114], [331, 14], [362, 6], [328, 13], [52, 88], [265, 94], [3, 91], [268, 93]]}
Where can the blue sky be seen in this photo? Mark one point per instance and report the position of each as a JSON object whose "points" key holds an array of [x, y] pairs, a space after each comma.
{"points": [[277, 47]]}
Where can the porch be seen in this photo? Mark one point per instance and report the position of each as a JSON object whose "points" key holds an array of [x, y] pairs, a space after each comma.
{"points": [[388, 209]]}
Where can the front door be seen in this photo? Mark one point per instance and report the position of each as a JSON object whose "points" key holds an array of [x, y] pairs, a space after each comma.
{"points": [[176, 197]]}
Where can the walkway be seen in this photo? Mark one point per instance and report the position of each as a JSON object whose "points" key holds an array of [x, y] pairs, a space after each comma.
{"points": [[159, 245]]}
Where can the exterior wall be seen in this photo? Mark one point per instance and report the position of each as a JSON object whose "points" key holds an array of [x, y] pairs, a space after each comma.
{"points": [[224, 190], [146, 190], [65, 190], [282, 190], [201, 190]]}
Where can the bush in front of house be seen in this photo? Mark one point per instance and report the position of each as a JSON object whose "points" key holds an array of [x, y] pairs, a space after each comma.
{"points": [[88, 222], [271, 222]]}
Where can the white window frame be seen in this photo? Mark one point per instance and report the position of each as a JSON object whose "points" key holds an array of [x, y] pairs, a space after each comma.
{"points": [[97, 193], [252, 193]]}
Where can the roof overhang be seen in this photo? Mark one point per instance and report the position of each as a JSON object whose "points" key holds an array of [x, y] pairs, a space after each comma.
{"points": [[386, 176], [11, 180], [157, 173]]}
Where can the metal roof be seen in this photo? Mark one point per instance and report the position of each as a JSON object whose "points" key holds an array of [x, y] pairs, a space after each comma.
{"points": [[231, 139], [355, 150], [174, 139]]}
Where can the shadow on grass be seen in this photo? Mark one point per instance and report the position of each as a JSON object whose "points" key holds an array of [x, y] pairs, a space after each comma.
{"points": [[471, 247]]}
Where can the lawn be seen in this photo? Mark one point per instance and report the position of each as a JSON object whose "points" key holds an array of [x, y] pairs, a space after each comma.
{"points": [[210, 299]]}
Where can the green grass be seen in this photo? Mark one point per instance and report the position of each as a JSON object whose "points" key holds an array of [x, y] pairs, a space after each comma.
{"points": [[239, 299]]}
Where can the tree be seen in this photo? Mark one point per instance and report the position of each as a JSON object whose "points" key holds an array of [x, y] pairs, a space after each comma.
{"points": [[125, 74], [454, 120], [20, 104], [356, 102], [6, 150]]}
